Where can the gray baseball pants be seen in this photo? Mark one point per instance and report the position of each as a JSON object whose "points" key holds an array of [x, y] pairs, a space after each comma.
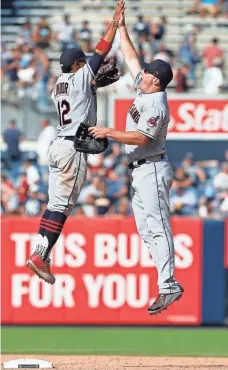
{"points": [[150, 202], [67, 174]]}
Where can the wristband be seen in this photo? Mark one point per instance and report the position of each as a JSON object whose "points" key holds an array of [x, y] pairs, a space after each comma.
{"points": [[104, 46], [115, 23]]}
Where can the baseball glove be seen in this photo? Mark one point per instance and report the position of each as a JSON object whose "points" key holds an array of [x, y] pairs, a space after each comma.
{"points": [[84, 142], [107, 73]]}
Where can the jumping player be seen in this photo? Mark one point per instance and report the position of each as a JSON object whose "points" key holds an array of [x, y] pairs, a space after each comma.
{"points": [[75, 102], [146, 130]]}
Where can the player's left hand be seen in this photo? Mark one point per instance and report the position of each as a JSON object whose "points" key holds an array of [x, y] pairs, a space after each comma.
{"points": [[99, 132]]}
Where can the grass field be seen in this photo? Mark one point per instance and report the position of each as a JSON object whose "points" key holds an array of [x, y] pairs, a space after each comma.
{"points": [[115, 341]]}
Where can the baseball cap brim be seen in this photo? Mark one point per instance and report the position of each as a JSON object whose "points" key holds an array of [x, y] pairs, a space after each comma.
{"points": [[148, 67]]}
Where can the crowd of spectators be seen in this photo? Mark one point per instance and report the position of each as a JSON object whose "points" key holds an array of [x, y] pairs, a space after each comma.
{"points": [[199, 188], [209, 8], [27, 67]]}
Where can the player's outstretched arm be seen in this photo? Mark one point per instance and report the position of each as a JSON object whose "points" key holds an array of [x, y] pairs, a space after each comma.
{"points": [[130, 54], [104, 45]]}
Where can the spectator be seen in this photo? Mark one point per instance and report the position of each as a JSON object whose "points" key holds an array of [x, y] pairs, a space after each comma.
{"points": [[208, 208], [33, 205], [213, 54], [42, 34], [95, 162], [163, 54], [221, 179], [22, 189], [43, 74], [65, 32], [11, 65], [45, 138], [25, 34], [181, 179], [226, 155], [5, 54], [181, 78], [86, 34], [75, 43], [196, 173], [114, 158], [12, 137], [157, 30], [210, 7], [9, 197], [213, 80], [26, 77], [122, 209], [225, 9], [224, 206], [115, 187], [183, 201], [145, 49], [195, 7], [189, 55], [141, 27], [26, 53], [88, 195], [32, 176]]}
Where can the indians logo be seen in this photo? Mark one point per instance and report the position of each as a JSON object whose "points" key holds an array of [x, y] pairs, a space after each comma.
{"points": [[153, 121]]}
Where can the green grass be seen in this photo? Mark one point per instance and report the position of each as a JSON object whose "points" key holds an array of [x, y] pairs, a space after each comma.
{"points": [[116, 341]]}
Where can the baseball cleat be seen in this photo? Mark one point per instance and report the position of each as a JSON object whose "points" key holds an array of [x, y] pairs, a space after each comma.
{"points": [[41, 268], [163, 301]]}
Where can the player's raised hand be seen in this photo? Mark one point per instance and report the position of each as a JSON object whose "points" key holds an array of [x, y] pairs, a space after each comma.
{"points": [[120, 7], [122, 19]]}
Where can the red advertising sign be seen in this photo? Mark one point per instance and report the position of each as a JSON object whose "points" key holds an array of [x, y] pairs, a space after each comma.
{"points": [[190, 118], [104, 274]]}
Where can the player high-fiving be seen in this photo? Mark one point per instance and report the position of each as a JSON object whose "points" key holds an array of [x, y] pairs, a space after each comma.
{"points": [[75, 102]]}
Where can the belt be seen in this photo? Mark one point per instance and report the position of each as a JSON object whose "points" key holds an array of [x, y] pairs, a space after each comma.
{"points": [[138, 163]]}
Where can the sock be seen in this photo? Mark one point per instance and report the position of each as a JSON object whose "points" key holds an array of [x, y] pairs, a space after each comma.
{"points": [[44, 218], [51, 229]]}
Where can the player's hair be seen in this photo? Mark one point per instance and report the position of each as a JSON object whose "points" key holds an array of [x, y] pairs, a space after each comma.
{"points": [[66, 69]]}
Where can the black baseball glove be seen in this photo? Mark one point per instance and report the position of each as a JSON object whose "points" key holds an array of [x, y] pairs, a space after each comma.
{"points": [[107, 73], [84, 142]]}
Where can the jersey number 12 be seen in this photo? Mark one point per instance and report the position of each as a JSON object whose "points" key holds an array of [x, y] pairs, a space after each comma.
{"points": [[63, 110]]}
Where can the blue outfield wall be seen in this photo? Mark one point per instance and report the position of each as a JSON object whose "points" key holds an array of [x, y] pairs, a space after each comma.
{"points": [[214, 289]]}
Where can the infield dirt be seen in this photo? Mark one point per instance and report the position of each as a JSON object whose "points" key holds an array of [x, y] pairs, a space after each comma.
{"points": [[128, 363]]}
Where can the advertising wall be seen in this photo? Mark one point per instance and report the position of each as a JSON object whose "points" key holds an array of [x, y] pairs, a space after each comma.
{"points": [[104, 274], [191, 118]]}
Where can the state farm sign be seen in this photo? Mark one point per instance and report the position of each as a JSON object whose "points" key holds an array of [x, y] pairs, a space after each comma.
{"points": [[201, 116], [104, 274], [189, 118]]}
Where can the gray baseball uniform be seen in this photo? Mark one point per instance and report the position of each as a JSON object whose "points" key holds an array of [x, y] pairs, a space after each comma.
{"points": [[151, 181], [75, 103]]}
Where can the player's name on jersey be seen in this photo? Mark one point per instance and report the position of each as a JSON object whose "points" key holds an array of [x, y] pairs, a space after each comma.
{"points": [[61, 89]]}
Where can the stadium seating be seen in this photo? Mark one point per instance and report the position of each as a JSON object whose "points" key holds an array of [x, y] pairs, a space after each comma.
{"points": [[17, 12]]}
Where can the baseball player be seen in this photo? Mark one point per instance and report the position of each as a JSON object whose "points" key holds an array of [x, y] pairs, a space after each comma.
{"points": [[75, 101], [144, 139]]}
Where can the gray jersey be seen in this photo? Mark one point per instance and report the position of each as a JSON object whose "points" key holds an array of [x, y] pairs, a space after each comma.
{"points": [[149, 114], [75, 101]]}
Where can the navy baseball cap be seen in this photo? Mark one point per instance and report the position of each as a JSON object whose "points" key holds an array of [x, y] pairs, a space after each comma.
{"points": [[160, 69], [70, 56]]}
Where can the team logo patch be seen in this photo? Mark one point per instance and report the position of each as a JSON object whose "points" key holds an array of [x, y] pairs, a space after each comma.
{"points": [[152, 122]]}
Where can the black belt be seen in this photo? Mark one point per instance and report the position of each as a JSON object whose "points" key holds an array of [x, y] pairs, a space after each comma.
{"points": [[138, 163], [71, 138]]}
